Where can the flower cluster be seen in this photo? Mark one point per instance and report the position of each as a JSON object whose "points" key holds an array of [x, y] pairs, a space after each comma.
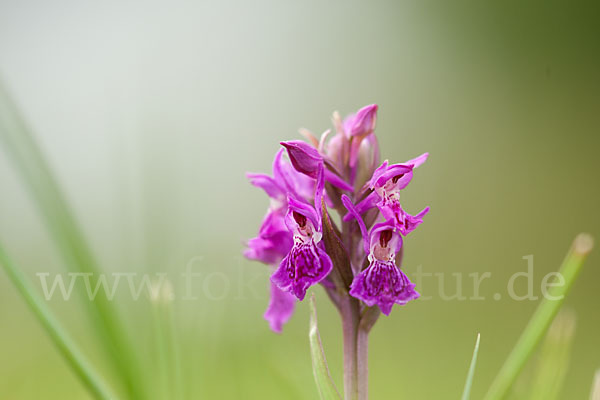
{"points": [[340, 173]]}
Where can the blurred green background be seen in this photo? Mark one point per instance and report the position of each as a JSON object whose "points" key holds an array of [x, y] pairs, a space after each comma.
{"points": [[151, 112]]}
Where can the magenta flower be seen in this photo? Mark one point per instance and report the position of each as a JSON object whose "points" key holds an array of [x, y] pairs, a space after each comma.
{"points": [[358, 264], [320, 177], [385, 186], [382, 283], [275, 240], [307, 263]]}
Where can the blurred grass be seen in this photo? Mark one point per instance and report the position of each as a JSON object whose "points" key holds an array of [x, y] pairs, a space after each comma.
{"points": [[469, 382], [553, 361], [542, 318], [37, 176], [63, 342]]}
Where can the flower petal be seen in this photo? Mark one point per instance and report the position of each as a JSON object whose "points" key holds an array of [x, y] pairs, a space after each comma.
{"points": [[281, 308], [383, 284], [268, 184], [304, 157], [363, 229]]}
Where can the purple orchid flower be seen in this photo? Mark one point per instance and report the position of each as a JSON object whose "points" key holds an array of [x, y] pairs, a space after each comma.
{"points": [[385, 185], [382, 283], [307, 263], [275, 240]]}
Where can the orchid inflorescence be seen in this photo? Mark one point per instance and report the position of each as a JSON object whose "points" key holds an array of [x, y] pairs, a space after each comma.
{"points": [[362, 256]]}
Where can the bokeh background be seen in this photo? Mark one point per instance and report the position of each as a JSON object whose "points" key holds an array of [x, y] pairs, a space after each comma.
{"points": [[151, 112]]}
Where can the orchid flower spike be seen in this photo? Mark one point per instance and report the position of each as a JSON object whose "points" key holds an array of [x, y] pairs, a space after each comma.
{"points": [[303, 245]]}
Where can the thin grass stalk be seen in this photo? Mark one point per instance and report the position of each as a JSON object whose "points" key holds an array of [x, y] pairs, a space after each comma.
{"points": [[175, 353], [89, 377], [469, 382], [160, 344], [541, 319], [46, 192]]}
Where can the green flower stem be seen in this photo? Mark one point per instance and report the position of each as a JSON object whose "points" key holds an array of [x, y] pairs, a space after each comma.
{"points": [[65, 345], [368, 319], [362, 352], [349, 311], [541, 319]]}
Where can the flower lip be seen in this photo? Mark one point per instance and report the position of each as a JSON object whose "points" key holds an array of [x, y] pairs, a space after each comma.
{"points": [[384, 285]]}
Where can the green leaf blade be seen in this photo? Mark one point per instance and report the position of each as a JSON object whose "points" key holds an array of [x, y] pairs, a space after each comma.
{"points": [[469, 382], [326, 387], [89, 377], [541, 319], [20, 145], [553, 360]]}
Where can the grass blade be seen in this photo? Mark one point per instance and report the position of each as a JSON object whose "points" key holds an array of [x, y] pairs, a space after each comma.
{"points": [[325, 385], [596, 387], [553, 362], [65, 345], [36, 174], [541, 319], [469, 382]]}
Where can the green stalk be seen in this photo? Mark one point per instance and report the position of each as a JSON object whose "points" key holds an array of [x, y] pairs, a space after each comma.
{"points": [[469, 382], [553, 360], [161, 349], [350, 318], [176, 372], [541, 319], [90, 378], [595, 395], [36, 173]]}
